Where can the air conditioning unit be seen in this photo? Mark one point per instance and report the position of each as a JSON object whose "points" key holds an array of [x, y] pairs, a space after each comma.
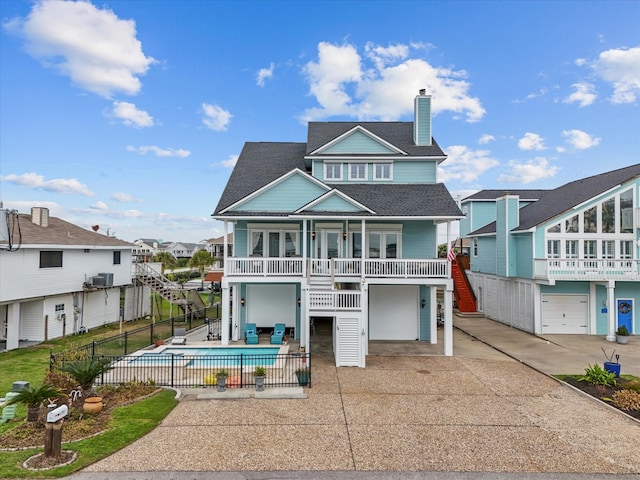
{"points": [[108, 279], [97, 281]]}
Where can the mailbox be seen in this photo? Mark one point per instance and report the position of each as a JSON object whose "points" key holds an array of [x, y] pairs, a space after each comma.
{"points": [[54, 415]]}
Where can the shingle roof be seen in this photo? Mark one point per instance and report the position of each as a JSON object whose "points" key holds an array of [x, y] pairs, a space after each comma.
{"points": [[524, 194], [566, 197], [399, 134], [61, 232]]}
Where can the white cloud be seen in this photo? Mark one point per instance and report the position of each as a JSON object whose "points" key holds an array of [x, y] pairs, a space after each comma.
{"points": [[486, 138], [129, 114], [230, 162], [528, 172], [124, 197], [584, 94], [215, 117], [531, 141], [621, 68], [57, 185], [100, 206], [464, 164], [579, 139], [97, 50], [382, 85], [263, 74], [159, 152]]}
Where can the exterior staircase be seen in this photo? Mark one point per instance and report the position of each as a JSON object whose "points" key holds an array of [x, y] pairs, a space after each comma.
{"points": [[462, 291], [187, 299]]}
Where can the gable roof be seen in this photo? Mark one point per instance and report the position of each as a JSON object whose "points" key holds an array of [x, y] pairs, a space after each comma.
{"points": [[564, 198], [524, 194], [399, 134], [60, 232]]}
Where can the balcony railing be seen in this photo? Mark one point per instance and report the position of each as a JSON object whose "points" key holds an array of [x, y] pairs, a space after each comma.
{"points": [[335, 300], [587, 269], [338, 267]]}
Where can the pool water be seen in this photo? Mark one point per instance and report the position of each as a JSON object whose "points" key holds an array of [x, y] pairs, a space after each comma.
{"points": [[210, 357]]}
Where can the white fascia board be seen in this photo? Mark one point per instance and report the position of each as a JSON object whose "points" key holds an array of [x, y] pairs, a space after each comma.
{"points": [[594, 198], [295, 171], [334, 191], [51, 246], [255, 218], [359, 128]]}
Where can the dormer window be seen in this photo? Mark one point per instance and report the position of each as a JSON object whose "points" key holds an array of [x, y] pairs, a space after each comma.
{"points": [[357, 171], [333, 171], [383, 171]]}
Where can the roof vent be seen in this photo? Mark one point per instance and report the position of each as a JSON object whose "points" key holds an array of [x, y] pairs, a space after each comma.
{"points": [[422, 91], [40, 216]]}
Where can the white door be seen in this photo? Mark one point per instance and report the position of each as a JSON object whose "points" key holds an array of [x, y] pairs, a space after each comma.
{"points": [[565, 314], [394, 312], [348, 341]]}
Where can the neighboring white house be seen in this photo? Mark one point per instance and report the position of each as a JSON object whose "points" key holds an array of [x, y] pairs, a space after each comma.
{"points": [[57, 278], [183, 249], [145, 248], [215, 246]]}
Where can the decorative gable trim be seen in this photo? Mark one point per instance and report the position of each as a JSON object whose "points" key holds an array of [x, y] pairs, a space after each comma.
{"points": [[270, 185], [332, 193], [354, 130]]}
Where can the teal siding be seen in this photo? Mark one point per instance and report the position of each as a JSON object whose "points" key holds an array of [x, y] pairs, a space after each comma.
{"points": [[425, 320], [240, 239], [335, 204], [507, 218], [286, 196], [485, 262], [414, 172], [523, 255], [419, 239], [422, 123], [358, 142]]}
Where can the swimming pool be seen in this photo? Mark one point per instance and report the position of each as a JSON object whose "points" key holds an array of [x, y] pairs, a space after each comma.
{"points": [[209, 356]]}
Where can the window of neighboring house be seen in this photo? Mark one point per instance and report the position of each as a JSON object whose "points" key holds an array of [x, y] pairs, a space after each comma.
{"points": [[383, 171], [50, 259], [608, 249], [553, 248], [571, 225], [626, 251], [333, 171], [357, 171], [116, 257], [60, 307], [571, 249], [554, 229], [590, 219], [590, 249], [86, 250], [609, 216], [475, 247], [626, 212]]}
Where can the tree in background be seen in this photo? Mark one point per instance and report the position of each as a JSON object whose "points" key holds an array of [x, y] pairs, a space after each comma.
{"points": [[201, 260], [168, 261]]}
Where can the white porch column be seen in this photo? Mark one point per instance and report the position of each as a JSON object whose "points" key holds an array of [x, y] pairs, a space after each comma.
{"points": [[433, 302], [224, 316], [304, 249], [13, 326], [304, 318], [224, 248], [448, 319], [364, 253], [611, 311]]}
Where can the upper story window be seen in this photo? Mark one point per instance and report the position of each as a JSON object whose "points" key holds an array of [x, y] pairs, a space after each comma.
{"points": [[50, 259], [626, 212], [116, 257], [590, 219], [273, 243], [553, 249], [357, 171], [571, 225], [333, 171], [383, 171], [554, 229], [609, 216], [475, 247]]}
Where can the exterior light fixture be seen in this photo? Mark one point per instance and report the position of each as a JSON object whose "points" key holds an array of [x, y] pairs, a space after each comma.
{"points": [[423, 303], [313, 235], [299, 302], [242, 302]]}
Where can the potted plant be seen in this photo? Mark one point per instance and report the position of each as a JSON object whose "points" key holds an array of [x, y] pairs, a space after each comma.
{"points": [[33, 397], [221, 378], [157, 340], [303, 375], [610, 365], [622, 334], [259, 373]]}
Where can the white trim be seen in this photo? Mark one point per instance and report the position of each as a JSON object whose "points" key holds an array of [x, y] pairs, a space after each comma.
{"points": [[325, 167], [382, 179], [358, 128], [334, 191], [363, 164]]}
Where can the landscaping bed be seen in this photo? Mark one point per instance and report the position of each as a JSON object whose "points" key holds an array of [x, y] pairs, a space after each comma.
{"points": [[607, 393]]}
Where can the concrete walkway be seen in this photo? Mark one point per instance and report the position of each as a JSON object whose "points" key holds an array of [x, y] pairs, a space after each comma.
{"points": [[479, 411]]}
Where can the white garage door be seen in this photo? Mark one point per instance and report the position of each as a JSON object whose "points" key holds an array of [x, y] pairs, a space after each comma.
{"points": [[393, 312], [565, 313], [270, 304]]}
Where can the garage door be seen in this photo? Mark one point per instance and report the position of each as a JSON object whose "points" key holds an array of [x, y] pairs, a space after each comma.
{"points": [[393, 312], [565, 313]]}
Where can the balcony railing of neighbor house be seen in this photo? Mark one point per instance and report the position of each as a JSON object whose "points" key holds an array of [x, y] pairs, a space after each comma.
{"points": [[400, 268], [587, 269]]}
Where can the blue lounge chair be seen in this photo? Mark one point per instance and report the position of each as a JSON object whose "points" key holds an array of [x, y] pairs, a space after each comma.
{"points": [[278, 334], [250, 334]]}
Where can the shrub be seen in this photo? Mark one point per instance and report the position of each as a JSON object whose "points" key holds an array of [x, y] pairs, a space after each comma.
{"points": [[627, 400], [86, 370], [596, 375], [33, 397]]}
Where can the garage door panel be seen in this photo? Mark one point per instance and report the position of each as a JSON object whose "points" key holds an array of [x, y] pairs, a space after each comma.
{"points": [[567, 314], [393, 312]]}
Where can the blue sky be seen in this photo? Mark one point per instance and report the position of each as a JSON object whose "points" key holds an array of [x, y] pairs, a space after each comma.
{"points": [[130, 114]]}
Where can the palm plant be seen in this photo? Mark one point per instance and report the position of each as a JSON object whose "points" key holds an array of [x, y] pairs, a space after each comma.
{"points": [[33, 397], [85, 371]]}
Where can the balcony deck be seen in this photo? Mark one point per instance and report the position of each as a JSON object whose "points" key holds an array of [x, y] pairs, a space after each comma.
{"points": [[587, 269]]}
